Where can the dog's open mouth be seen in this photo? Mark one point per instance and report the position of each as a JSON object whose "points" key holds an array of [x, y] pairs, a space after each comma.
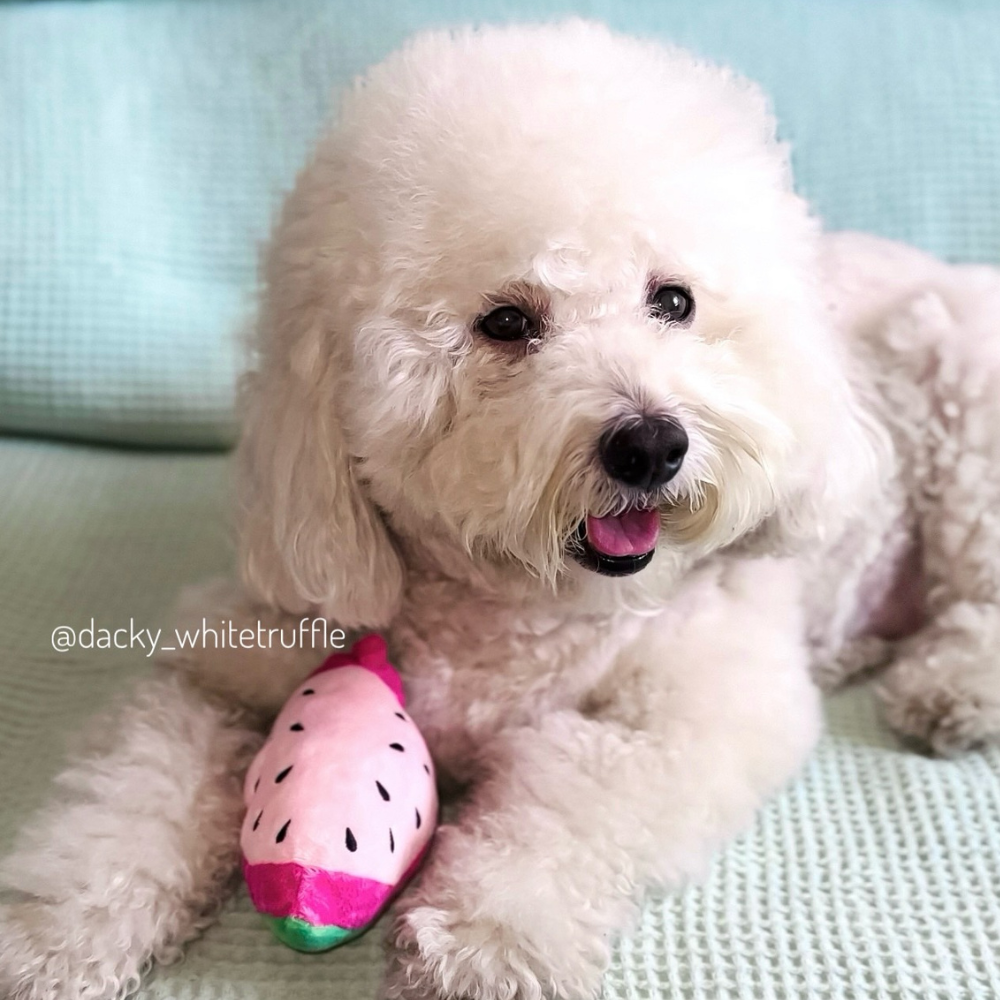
{"points": [[617, 544]]}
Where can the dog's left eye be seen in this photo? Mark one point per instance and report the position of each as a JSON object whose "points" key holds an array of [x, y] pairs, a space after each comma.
{"points": [[671, 303], [506, 323]]}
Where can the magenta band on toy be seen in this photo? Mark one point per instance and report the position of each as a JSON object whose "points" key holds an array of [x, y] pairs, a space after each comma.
{"points": [[370, 653], [288, 889]]}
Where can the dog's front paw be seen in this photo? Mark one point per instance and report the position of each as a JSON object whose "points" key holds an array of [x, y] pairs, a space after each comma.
{"points": [[438, 955], [490, 921]]}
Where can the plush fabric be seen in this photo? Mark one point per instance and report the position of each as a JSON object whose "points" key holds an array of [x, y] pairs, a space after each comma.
{"points": [[341, 802], [143, 146], [876, 875]]}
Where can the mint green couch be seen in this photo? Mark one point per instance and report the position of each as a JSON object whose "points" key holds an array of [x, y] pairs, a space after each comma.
{"points": [[143, 146]]}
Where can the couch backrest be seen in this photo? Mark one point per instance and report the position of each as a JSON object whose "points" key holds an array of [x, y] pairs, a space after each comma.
{"points": [[144, 147]]}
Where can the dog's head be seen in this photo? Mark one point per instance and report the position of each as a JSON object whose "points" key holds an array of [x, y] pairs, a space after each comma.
{"points": [[544, 297]]}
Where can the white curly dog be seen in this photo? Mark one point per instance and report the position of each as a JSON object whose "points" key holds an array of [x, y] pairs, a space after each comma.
{"points": [[560, 384]]}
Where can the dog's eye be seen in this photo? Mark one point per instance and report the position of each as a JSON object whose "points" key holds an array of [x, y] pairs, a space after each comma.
{"points": [[505, 323], [671, 303]]}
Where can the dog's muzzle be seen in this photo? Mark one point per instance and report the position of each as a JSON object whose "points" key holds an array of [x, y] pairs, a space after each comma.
{"points": [[642, 454]]}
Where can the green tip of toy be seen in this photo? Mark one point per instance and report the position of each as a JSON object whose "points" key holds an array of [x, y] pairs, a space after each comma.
{"points": [[302, 936]]}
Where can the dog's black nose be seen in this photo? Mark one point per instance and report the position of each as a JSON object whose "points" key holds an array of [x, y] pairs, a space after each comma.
{"points": [[646, 453]]}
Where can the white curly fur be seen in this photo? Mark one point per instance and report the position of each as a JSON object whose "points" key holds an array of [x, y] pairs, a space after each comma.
{"points": [[837, 510]]}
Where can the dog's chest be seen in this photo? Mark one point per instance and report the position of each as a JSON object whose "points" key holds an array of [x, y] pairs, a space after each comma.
{"points": [[472, 666]]}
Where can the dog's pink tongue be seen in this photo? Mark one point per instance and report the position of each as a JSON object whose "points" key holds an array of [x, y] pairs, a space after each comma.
{"points": [[633, 533]]}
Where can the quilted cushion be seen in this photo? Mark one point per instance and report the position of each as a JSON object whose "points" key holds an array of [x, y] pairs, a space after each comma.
{"points": [[144, 146]]}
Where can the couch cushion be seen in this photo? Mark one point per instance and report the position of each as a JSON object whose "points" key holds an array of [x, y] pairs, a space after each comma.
{"points": [[143, 147]]}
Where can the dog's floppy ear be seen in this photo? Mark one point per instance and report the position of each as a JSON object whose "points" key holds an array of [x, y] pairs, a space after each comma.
{"points": [[310, 538]]}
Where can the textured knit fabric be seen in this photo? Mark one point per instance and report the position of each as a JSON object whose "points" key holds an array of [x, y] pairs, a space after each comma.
{"points": [[875, 876], [143, 147]]}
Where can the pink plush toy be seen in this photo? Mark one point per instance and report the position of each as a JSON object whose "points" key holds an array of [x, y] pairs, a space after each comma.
{"points": [[341, 802]]}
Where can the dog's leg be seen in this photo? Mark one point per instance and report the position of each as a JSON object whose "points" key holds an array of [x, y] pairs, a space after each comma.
{"points": [[707, 714], [943, 687], [141, 850], [131, 863]]}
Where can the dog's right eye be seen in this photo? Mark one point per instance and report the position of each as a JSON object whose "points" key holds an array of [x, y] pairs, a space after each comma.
{"points": [[672, 303], [506, 323]]}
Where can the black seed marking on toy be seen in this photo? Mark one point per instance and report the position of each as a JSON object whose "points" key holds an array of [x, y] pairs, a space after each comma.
{"points": [[256, 784], [256, 822], [297, 727], [382, 791], [392, 842], [283, 831], [399, 715], [397, 746], [427, 769], [309, 691], [417, 811], [352, 844], [284, 774]]}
